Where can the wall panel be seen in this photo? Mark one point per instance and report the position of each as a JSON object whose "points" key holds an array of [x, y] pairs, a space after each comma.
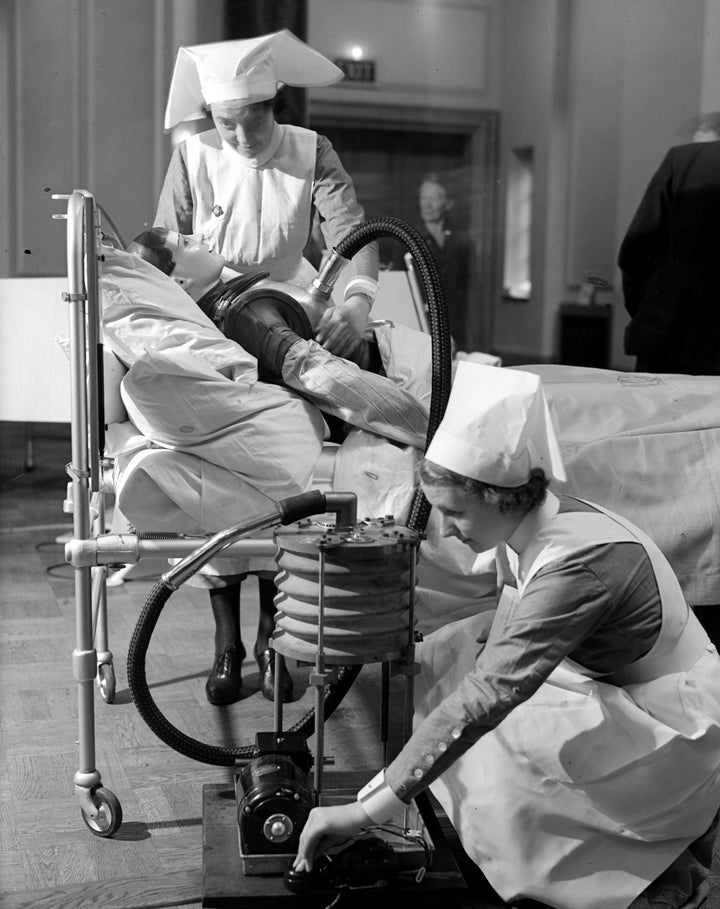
{"points": [[88, 81], [7, 197], [121, 127], [428, 52], [45, 152]]}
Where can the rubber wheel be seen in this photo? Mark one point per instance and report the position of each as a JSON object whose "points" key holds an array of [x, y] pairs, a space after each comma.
{"points": [[109, 816], [106, 682]]}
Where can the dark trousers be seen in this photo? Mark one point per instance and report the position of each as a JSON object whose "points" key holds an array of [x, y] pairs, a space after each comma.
{"points": [[709, 618]]}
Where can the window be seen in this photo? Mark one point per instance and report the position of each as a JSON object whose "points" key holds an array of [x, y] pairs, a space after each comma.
{"points": [[518, 225]]}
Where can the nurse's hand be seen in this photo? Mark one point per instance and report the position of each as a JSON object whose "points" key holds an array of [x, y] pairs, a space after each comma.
{"points": [[327, 827], [341, 327]]}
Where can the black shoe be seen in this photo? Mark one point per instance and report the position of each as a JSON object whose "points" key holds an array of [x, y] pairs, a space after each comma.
{"points": [[266, 663], [225, 679]]}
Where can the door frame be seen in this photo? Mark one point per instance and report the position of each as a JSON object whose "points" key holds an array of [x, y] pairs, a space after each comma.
{"points": [[482, 129]]}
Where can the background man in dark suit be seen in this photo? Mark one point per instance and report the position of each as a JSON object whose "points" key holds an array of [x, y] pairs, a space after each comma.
{"points": [[670, 263], [452, 250]]}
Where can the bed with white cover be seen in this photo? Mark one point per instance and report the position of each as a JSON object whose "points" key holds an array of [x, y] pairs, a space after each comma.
{"points": [[205, 446]]}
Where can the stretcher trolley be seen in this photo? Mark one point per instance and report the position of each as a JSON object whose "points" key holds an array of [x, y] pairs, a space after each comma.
{"points": [[92, 550]]}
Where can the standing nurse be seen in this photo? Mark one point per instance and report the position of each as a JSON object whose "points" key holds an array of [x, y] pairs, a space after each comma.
{"points": [[250, 186]]}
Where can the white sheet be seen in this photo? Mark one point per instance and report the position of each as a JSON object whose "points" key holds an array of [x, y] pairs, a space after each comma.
{"points": [[237, 445], [647, 447], [175, 492], [143, 309], [264, 434]]}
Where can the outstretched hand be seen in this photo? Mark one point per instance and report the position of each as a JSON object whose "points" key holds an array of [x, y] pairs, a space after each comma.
{"points": [[341, 326], [327, 827]]}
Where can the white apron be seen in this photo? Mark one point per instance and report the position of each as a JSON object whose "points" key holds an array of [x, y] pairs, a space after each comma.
{"points": [[256, 212], [585, 793]]}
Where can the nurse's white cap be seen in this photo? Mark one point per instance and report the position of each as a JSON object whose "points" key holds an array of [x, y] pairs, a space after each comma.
{"points": [[497, 427], [248, 70]]}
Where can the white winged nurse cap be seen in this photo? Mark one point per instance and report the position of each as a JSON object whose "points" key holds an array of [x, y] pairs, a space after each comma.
{"points": [[249, 70], [497, 427]]}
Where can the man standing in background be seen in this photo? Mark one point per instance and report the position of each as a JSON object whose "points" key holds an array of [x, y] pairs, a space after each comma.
{"points": [[451, 249], [670, 263]]}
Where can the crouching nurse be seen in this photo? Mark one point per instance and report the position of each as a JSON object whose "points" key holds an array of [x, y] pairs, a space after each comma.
{"points": [[575, 745]]}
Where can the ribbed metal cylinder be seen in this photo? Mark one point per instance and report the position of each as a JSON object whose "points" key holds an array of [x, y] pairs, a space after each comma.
{"points": [[366, 593]]}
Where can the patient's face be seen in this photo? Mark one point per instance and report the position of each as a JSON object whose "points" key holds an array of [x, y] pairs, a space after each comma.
{"points": [[468, 518], [194, 262], [247, 128]]}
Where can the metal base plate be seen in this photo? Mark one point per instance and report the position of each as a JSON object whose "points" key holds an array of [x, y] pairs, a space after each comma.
{"points": [[225, 885]]}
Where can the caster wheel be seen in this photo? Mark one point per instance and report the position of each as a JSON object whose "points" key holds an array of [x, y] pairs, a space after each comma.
{"points": [[106, 682], [109, 816]]}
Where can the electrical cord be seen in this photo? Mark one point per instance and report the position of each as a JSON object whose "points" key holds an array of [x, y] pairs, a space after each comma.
{"points": [[364, 861]]}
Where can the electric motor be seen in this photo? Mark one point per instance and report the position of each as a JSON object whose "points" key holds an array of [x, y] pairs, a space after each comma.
{"points": [[274, 799]]}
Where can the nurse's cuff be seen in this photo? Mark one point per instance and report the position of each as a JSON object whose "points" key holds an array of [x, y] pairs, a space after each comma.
{"points": [[379, 801], [361, 284]]}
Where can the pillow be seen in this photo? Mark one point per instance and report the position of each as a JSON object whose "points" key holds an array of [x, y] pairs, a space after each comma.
{"points": [[265, 434], [113, 372], [145, 310]]}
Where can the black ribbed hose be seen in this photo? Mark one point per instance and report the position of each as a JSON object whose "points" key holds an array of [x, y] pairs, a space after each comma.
{"points": [[435, 299], [203, 752], [418, 516]]}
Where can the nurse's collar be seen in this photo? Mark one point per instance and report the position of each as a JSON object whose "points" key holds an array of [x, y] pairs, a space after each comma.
{"points": [[533, 522]]}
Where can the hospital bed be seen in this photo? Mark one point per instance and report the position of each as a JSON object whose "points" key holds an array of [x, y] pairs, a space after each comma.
{"points": [[648, 447]]}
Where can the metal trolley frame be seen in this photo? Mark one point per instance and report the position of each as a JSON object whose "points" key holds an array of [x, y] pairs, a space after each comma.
{"points": [[91, 550]]}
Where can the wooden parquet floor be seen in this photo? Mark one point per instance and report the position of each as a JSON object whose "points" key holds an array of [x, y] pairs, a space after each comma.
{"points": [[47, 856], [43, 841], [48, 859]]}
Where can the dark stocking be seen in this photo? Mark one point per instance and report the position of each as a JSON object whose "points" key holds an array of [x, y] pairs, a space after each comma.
{"points": [[225, 679], [225, 602], [266, 615], [263, 654]]}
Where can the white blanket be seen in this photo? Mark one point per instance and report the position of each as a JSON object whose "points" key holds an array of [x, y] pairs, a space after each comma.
{"points": [[208, 445], [145, 310], [647, 447], [191, 390], [263, 434]]}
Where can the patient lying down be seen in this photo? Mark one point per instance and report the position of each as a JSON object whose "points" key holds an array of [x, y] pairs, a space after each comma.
{"points": [[194, 392], [278, 332]]}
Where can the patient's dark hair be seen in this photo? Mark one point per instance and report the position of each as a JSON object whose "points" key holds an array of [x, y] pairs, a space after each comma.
{"points": [[151, 245], [506, 499]]}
